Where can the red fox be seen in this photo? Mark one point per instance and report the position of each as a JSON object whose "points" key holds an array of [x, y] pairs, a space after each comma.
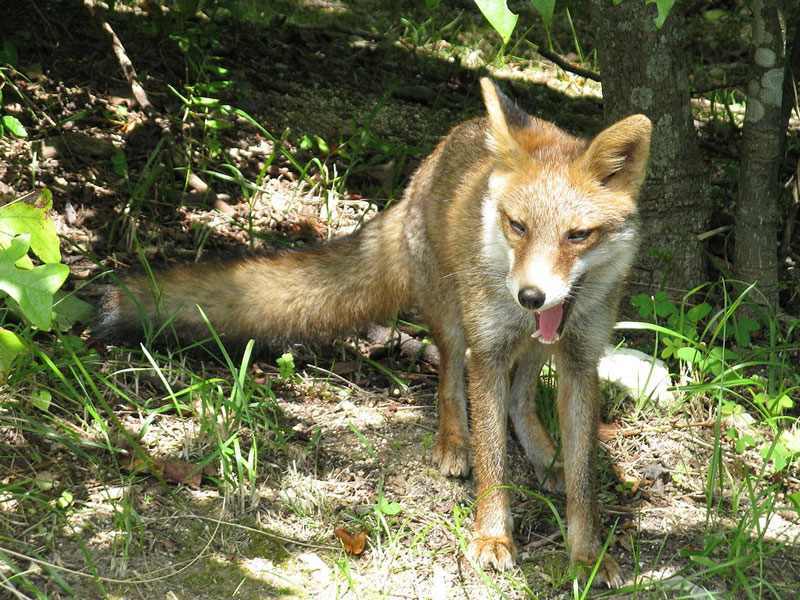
{"points": [[513, 241]]}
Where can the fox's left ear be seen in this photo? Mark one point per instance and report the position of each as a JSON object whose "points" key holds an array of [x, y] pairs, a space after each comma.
{"points": [[505, 119], [617, 157]]}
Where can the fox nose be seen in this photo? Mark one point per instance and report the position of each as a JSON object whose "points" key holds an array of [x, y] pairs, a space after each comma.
{"points": [[531, 297]]}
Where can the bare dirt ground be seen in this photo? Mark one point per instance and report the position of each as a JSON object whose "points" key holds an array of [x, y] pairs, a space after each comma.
{"points": [[356, 454]]}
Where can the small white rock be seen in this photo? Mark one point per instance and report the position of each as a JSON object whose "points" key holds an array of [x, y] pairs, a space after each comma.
{"points": [[639, 374]]}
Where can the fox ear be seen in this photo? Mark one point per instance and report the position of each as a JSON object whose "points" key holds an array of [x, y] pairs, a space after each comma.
{"points": [[617, 157], [504, 118]]}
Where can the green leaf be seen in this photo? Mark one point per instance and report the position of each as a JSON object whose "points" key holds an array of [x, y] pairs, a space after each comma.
{"points": [[545, 8], [500, 18], [286, 365], [664, 307], [322, 145], [14, 126], [778, 453], [23, 218], [69, 309], [643, 304], [664, 8], [387, 508], [32, 289], [745, 327], [41, 400], [714, 14], [699, 312], [794, 498], [65, 500], [10, 348], [119, 163], [217, 124], [688, 354]]}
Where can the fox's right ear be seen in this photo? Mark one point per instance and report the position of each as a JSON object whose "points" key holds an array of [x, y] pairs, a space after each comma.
{"points": [[505, 117]]}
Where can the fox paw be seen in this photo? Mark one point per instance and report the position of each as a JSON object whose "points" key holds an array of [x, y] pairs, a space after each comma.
{"points": [[492, 553], [609, 574], [452, 457]]}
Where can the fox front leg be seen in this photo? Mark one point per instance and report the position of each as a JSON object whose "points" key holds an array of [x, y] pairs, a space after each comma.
{"points": [[578, 400], [492, 545]]}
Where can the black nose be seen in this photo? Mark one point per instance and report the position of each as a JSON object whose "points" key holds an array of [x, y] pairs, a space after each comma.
{"points": [[531, 297]]}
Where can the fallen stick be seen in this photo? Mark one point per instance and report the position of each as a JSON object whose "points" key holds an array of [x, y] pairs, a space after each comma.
{"points": [[122, 56]]}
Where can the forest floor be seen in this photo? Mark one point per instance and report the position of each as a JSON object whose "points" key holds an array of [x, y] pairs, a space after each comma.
{"points": [[151, 474]]}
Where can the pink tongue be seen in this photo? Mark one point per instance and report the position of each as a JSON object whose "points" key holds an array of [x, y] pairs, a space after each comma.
{"points": [[549, 320]]}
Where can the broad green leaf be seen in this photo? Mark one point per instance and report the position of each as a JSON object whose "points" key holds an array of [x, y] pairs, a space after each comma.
{"points": [[499, 17], [644, 305], [23, 218], [778, 453], [744, 328], [545, 8], [663, 305], [69, 309], [10, 347], [387, 508], [689, 355], [32, 289], [14, 126], [699, 312]]}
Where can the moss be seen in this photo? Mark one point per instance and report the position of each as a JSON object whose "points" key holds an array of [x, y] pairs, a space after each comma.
{"points": [[262, 546], [219, 579]]}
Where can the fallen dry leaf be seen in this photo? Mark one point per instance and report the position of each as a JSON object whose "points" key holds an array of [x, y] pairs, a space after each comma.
{"points": [[352, 543], [180, 471], [171, 470]]}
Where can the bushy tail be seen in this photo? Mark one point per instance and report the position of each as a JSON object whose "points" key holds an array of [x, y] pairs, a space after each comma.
{"points": [[311, 294]]}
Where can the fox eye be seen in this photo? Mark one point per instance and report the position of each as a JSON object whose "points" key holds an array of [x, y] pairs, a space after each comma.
{"points": [[578, 235], [517, 227]]}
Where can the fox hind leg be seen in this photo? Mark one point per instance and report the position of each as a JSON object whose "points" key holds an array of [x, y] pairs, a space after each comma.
{"points": [[451, 449]]}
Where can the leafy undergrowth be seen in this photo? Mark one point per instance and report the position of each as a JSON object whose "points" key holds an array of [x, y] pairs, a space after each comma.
{"points": [[161, 472]]}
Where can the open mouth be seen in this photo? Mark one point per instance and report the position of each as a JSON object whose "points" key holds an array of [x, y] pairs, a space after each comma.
{"points": [[550, 322]]}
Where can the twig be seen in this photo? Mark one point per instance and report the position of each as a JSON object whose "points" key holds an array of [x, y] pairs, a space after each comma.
{"points": [[607, 433], [542, 541], [565, 64], [713, 87], [122, 57]]}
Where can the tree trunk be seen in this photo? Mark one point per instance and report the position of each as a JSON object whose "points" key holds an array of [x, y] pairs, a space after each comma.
{"points": [[644, 71], [756, 231]]}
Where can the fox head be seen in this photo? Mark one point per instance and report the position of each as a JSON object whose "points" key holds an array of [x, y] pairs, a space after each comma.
{"points": [[559, 211]]}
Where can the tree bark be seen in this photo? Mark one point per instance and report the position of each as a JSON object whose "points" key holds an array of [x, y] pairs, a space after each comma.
{"points": [[644, 71], [756, 229]]}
